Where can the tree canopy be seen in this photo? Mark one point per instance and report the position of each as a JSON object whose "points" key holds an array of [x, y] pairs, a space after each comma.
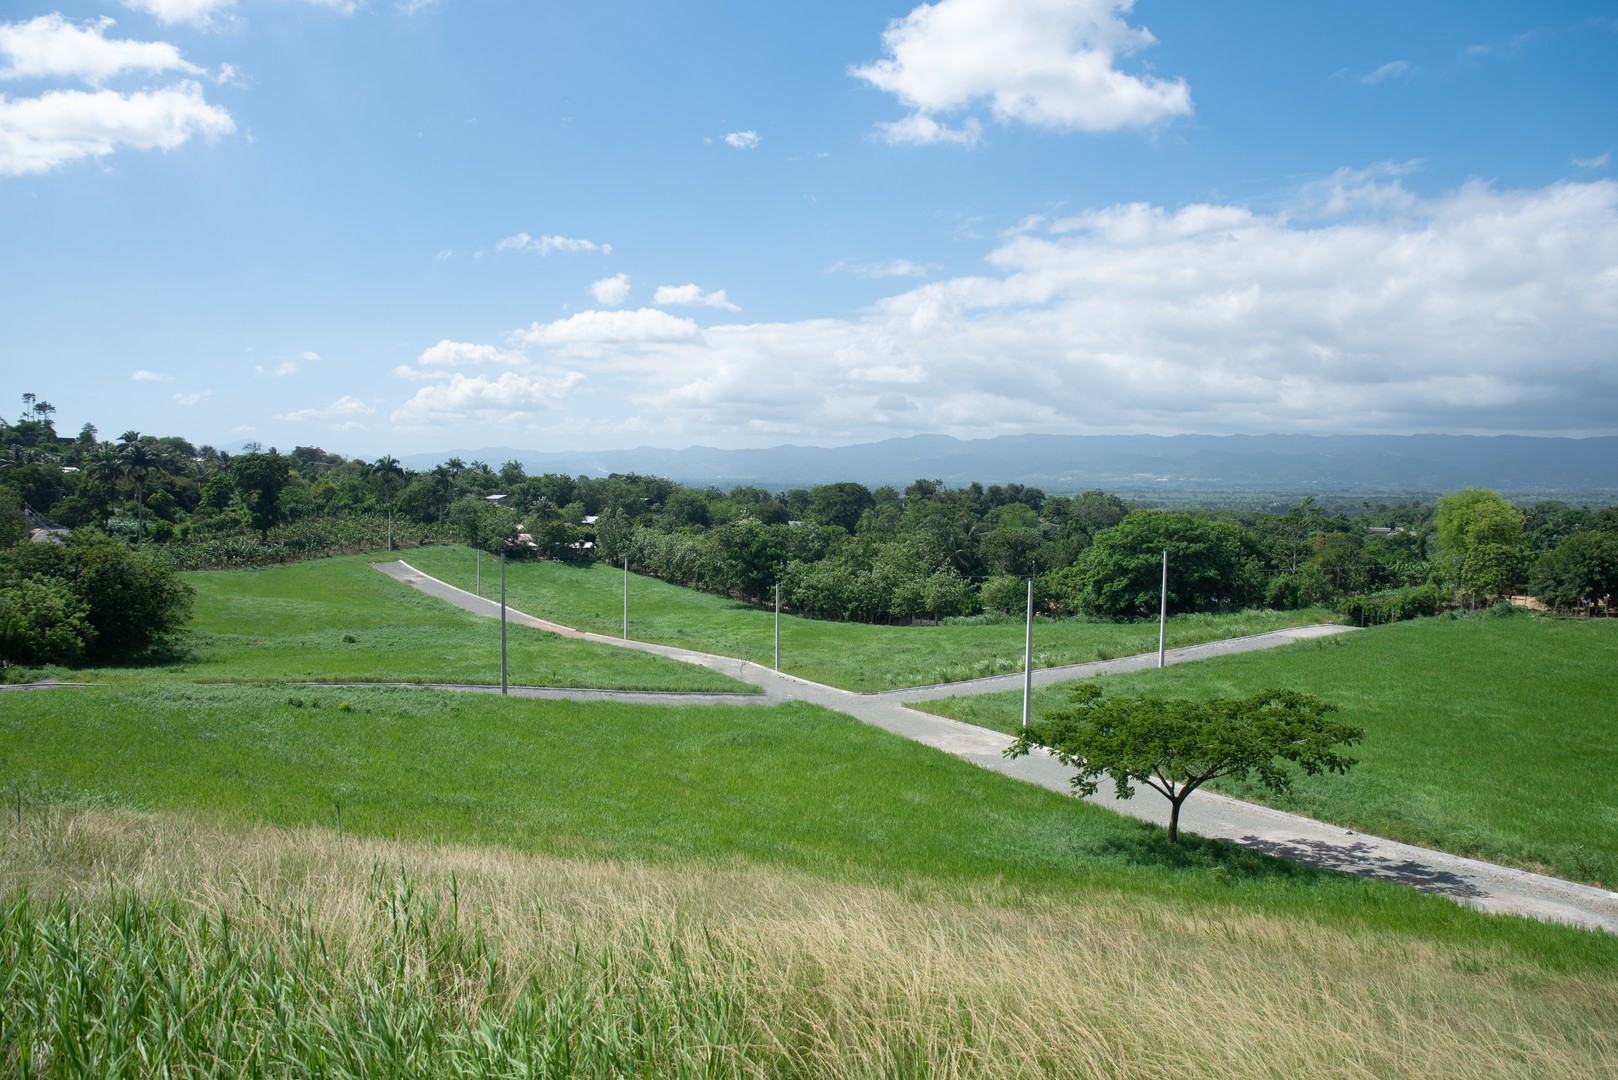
{"points": [[1175, 745]]}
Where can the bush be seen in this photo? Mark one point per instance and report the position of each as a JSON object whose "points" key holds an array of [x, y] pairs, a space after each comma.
{"points": [[129, 598], [1393, 605], [42, 621]]}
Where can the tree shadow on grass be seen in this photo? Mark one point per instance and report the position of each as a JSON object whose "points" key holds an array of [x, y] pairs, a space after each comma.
{"points": [[1148, 845]]}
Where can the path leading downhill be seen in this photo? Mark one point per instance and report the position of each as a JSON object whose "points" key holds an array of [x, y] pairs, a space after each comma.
{"points": [[1468, 881]]}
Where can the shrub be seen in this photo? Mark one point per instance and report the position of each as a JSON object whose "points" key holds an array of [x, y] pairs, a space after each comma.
{"points": [[129, 598], [1392, 605]]}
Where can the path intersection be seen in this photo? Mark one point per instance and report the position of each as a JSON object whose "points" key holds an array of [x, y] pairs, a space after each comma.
{"points": [[1468, 881]]}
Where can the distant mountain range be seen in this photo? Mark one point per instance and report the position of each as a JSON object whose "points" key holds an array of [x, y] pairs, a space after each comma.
{"points": [[1127, 464]]}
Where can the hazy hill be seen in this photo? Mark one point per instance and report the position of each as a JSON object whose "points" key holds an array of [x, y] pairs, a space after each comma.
{"points": [[1133, 463]]}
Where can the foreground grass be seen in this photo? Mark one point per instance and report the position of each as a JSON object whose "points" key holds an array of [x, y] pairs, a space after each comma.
{"points": [[1490, 737], [792, 786], [159, 945], [341, 620], [854, 656]]}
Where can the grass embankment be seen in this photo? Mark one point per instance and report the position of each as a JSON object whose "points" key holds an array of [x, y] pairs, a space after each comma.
{"points": [[299, 951], [341, 620], [1490, 737], [854, 656]]}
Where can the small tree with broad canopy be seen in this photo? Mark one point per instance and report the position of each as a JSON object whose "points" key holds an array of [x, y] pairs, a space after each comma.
{"points": [[1174, 745]]}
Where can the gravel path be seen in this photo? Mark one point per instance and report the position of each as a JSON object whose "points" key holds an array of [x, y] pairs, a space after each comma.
{"points": [[1468, 881]]}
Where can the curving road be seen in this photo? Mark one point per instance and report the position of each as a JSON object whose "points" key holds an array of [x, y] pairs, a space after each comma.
{"points": [[1468, 881]]}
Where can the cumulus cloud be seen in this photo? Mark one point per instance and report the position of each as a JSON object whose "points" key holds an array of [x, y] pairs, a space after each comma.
{"points": [[346, 411], [481, 399], [692, 296], [150, 376], [1598, 161], [544, 245], [50, 46], [611, 291], [743, 140], [38, 134], [453, 354], [196, 12], [191, 399], [1370, 309], [1047, 63]]}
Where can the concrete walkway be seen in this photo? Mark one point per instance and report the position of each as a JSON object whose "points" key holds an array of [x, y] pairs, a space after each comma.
{"points": [[1478, 884]]}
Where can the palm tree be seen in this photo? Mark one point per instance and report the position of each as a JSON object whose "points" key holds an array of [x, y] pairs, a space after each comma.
{"points": [[137, 462], [387, 470]]}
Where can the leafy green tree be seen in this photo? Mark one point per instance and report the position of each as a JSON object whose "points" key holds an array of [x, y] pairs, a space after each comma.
{"points": [[840, 504], [259, 480], [1174, 746], [1478, 527], [1212, 564], [1581, 571]]}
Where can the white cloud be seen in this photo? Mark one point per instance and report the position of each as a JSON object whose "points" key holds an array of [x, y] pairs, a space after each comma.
{"points": [[38, 134], [743, 140], [50, 46], [590, 331], [196, 12], [1047, 63], [611, 291], [480, 399], [344, 408], [452, 354], [191, 399], [1599, 161], [150, 376], [1356, 307], [692, 296], [544, 245], [885, 269], [1393, 69]]}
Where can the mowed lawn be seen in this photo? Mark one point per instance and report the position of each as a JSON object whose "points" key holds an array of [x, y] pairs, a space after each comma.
{"points": [[854, 656], [793, 786], [1485, 736], [341, 619]]}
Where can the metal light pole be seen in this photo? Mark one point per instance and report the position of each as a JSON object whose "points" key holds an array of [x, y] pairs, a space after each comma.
{"points": [[1028, 660], [777, 626], [626, 597], [502, 616], [478, 580], [1163, 610]]}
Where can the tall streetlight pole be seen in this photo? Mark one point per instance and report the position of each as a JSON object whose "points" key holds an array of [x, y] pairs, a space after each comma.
{"points": [[1163, 610], [1028, 660], [626, 597], [778, 625], [502, 616]]}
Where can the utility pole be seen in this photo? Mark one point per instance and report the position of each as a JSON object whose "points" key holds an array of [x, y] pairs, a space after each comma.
{"points": [[1028, 660]]}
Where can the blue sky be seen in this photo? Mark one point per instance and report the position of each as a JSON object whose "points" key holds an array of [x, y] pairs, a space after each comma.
{"points": [[400, 227]]}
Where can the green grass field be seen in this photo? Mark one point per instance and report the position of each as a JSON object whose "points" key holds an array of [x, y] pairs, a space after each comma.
{"points": [[341, 620], [1491, 737], [216, 877], [854, 656]]}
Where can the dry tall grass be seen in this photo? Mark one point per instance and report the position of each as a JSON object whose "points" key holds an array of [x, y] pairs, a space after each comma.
{"points": [[798, 976]]}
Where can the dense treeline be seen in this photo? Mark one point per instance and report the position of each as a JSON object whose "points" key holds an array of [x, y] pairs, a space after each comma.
{"points": [[840, 551]]}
